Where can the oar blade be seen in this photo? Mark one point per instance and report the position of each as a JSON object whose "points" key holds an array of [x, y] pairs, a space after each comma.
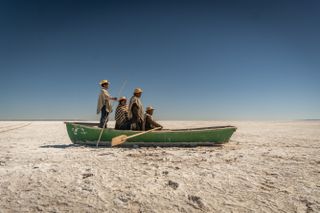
{"points": [[118, 140]]}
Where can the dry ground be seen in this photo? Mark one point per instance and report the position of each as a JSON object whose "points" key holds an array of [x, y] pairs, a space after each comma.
{"points": [[267, 167]]}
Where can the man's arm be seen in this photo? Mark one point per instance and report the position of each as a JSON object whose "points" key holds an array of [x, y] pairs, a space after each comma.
{"points": [[108, 97], [126, 113], [152, 122]]}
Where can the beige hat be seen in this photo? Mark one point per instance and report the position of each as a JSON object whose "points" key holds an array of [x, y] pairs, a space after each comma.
{"points": [[149, 108], [137, 90], [104, 82], [122, 98]]}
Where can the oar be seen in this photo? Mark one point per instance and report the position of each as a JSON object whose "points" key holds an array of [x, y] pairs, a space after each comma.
{"points": [[98, 141], [122, 138], [97, 144]]}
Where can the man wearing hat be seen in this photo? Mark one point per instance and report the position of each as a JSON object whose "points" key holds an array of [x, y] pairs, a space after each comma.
{"points": [[148, 120], [104, 103], [136, 110], [121, 116]]}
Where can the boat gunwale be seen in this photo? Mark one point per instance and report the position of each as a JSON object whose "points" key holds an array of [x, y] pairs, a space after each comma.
{"points": [[90, 125]]}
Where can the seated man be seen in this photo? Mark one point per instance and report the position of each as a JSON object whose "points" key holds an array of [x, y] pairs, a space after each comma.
{"points": [[148, 120], [121, 115]]}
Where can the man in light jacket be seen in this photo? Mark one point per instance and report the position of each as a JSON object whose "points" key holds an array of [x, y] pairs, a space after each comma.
{"points": [[104, 103]]}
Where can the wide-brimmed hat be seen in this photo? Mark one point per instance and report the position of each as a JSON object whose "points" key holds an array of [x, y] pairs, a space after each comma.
{"points": [[122, 98], [149, 108], [104, 82], [137, 90]]}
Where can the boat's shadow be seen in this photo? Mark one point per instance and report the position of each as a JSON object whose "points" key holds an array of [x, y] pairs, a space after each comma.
{"points": [[60, 146], [65, 146]]}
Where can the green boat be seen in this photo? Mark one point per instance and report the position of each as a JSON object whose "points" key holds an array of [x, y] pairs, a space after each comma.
{"points": [[88, 134]]}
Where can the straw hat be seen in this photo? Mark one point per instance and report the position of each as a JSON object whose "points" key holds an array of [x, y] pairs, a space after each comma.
{"points": [[122, 98], [104, 82], [137, 90], [149, 108]]}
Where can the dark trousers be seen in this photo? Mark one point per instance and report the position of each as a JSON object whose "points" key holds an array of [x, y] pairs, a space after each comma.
{"points": [[104, 117], [137, 125]]}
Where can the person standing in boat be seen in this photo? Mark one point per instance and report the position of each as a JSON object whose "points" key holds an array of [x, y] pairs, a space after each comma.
{"points": [[136, 111], [121, 116], [148, 119], [104, 103]]}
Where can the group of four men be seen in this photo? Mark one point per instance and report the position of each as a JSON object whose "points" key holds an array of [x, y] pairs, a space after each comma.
{"points": [[127, 117]]}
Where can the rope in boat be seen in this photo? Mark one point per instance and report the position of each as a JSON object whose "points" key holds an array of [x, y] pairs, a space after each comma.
{"points": [[18, 127]]}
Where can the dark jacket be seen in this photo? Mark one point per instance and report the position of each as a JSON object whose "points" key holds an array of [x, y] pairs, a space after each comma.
{"points": [[150, 123], [136, 122]]}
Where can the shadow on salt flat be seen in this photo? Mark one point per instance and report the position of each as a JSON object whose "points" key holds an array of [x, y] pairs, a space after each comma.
{"points": [[60, 146]]}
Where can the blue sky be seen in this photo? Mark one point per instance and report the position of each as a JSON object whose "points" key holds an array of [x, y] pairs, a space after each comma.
{"points": [[195, 60]]}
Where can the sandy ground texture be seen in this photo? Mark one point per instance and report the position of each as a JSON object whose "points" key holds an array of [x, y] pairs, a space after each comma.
{"points": [[266, 167]]}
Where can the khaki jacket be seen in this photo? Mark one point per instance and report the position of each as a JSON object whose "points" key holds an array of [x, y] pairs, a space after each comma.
{"points": [[104, 100], [135, 101]]}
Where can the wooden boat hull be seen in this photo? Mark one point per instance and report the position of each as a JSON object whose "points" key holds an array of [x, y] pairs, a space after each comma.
{"points": [[88, 134]]}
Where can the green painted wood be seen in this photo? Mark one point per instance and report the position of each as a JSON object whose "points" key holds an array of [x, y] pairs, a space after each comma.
{"points": [[88, 135]]}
